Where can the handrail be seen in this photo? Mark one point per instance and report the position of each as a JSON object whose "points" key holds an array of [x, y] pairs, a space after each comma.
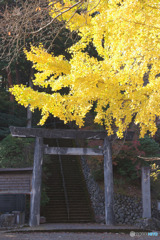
{"points": [[63, 181], [63, 178]]}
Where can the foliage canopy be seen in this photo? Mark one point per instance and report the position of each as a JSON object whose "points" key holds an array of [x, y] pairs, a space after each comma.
{"points": [[126, 36]]}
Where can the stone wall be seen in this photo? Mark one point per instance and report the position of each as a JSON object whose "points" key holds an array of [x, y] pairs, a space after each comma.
{"points": [[127, 209], [96, 194]]}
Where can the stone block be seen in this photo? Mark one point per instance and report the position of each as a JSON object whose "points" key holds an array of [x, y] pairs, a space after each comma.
{"points": [[42, 220], [7, 220]]}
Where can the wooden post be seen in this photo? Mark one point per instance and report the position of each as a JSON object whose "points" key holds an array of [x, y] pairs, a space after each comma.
{"points": [[146, 192], [36, 183], [108, 183]]}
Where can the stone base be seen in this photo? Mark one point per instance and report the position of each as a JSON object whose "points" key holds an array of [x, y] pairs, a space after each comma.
{"points": [[148, 223], [99, 219], [19, 217]]}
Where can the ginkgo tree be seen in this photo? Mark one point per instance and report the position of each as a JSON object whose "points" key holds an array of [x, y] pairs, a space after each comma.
{"points": [[126, 36]]}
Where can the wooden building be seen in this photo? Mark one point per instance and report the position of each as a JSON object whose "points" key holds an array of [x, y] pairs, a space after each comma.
{"points": [[15, 183]]}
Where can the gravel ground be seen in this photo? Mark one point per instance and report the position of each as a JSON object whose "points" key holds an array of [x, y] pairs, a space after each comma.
{"points": [[72, 236]]}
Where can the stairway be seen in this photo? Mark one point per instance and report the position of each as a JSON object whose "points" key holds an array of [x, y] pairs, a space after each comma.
{"points": [[70, 203]]}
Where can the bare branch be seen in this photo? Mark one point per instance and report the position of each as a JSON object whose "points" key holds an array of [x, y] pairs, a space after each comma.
{"points": [[60, 14], [29, 22], [94, 6]]}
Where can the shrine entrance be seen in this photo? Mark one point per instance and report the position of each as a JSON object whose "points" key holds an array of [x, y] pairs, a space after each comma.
{"points": [[41, 149]]}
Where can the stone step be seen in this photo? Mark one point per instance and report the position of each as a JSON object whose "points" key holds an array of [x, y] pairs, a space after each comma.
{"points": [[79, 206]]}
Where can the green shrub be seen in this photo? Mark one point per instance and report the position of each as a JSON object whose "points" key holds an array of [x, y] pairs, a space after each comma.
{"points": [[149, 146], [16, 152], [129, 169], [128, 163], [44, 197], [98, 174]]}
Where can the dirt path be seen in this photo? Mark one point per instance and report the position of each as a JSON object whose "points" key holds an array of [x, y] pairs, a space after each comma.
{"points": [[72, 236]]}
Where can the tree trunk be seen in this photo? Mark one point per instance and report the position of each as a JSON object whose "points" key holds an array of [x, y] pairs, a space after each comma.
{"points": [[10, 82], [29, 117], [18, 79], [29, 112]]}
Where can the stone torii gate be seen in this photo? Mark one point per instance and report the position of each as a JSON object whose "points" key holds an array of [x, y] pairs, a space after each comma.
{"points": [[40, 149]]}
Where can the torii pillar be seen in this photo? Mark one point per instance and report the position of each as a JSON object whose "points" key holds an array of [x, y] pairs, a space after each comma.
{"points": [[36, 183], [146, 192]]}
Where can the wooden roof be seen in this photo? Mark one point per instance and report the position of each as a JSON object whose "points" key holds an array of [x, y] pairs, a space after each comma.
{"points": [[16, 169]]}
